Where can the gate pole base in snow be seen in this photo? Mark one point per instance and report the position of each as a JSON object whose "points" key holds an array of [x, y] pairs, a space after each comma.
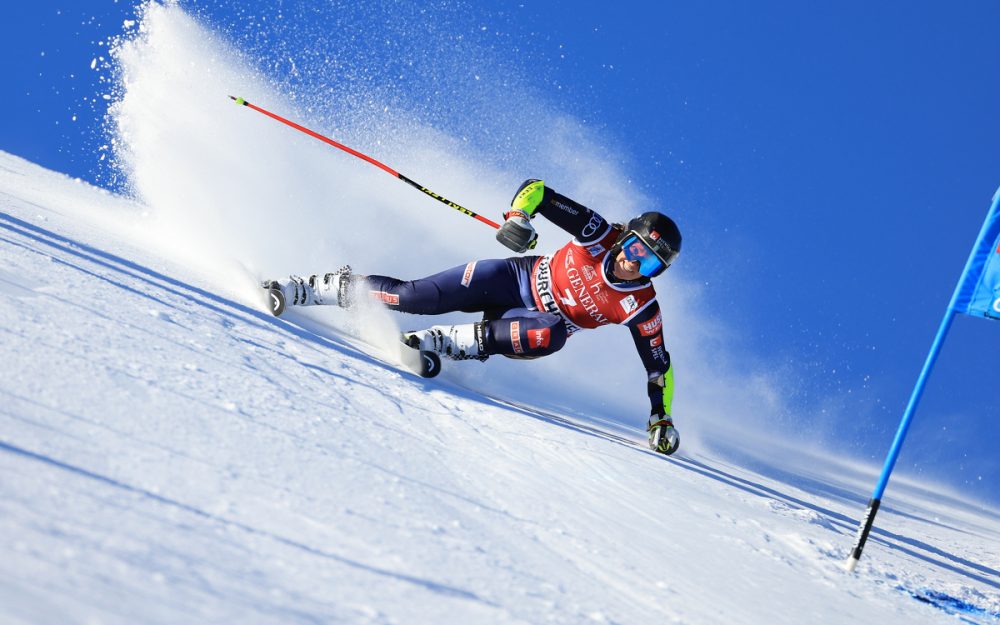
{"points": [[863, 530]]}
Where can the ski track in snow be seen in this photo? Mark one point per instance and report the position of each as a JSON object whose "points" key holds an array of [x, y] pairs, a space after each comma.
{"points": [[173, 454]]}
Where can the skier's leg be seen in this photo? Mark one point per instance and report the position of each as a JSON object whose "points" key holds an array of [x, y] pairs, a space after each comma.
{"points": [[330, 289], [473, 287], [523, 333], [476, 286], [520, 333]]}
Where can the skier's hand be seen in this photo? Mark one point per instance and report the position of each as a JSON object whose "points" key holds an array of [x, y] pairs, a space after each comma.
{"points": [[516, 233], [663, 436]]}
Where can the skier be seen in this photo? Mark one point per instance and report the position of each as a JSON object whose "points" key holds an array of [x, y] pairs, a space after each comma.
{"points": [[532, 304]]}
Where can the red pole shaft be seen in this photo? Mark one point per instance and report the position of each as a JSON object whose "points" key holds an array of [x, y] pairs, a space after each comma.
{"points": [[379, 164]]}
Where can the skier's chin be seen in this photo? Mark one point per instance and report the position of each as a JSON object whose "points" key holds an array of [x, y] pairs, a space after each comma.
{"points": [[627, 270]]}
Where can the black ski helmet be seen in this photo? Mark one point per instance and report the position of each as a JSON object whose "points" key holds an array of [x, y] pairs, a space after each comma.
{"points": [[657, 231]]}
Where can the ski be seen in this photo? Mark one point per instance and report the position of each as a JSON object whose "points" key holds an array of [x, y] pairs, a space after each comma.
{"points": [[424, 363]]}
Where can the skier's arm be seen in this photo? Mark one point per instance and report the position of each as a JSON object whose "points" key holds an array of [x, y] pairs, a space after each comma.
{"points": [[534, 198], [647, 332]]}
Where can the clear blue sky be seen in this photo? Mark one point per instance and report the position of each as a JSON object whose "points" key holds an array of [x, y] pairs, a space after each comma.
{"points": [[841, 155]]}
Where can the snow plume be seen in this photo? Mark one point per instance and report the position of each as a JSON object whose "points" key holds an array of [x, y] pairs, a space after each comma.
{"points": [[241, 197]]}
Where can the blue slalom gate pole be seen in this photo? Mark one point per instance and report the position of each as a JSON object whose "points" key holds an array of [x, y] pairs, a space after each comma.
{"points": [[897, 444], [904, 425]]}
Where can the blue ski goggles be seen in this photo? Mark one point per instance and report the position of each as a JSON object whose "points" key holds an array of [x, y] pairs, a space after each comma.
{"points": [[636, 251]]}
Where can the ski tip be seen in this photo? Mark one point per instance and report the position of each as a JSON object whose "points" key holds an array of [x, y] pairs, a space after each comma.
{"points": [[277, 303], [275, 298], [427, 365], [240, 101], [430, 364]]}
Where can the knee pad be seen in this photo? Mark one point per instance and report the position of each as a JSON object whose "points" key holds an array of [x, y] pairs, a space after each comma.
{"points": [[527, 337]]}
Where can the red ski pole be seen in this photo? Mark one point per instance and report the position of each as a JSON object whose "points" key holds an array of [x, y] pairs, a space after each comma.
{"points": [[365, 157]]}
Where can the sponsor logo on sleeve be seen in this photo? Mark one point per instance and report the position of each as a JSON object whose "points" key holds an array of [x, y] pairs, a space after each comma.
{"points": [[629, 304], [467, 276], [386, 298], [651, 327], [515, 337], [595, 250], [591, 228], [566, 207], [659, 354], [656, 341], [539, 339]]}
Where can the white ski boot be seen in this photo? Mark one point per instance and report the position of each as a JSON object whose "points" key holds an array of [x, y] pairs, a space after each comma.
{"points": [[330, 290], [462, 342]]}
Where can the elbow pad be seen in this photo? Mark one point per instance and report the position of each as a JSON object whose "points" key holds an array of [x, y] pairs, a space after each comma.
{"points": [[529, 197]]}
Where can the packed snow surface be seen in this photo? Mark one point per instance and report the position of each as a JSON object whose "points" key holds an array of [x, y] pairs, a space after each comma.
{"points": [[171, 453]]}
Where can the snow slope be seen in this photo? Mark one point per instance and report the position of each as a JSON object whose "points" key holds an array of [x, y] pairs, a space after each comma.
{"points": [[170, 453]]}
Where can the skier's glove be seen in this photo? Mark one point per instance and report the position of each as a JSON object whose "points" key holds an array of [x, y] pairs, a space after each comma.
{"points": [[516, 233], [663, 436]]}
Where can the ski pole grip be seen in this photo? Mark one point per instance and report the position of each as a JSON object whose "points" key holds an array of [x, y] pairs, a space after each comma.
{"points": [[516, 237]]}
